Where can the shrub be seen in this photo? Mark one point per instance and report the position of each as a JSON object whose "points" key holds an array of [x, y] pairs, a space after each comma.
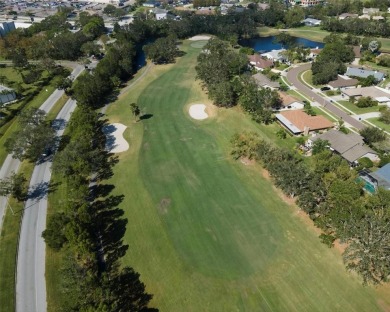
{"points": [[366, 102], [366, 162], [54, 234]]}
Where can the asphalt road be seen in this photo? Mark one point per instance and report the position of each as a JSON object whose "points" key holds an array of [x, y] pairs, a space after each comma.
{"points": [[12, 165], [30, 275], [292, 77]]}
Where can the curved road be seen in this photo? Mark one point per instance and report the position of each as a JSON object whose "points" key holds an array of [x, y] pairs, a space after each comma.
{"points": [[292, 77]]}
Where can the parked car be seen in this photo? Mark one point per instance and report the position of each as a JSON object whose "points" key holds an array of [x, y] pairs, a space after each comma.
{"points": [[325, 89]]}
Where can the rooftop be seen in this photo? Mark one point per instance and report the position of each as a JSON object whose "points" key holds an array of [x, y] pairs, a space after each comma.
{"points": [[364, 73], [376, 93], [264, 81], [297, 121], [341, 82], [382, 175], [350, 146], [287, 99], [260, 61]]}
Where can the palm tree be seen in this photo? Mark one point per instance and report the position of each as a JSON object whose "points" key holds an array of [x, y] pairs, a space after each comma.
{"points": [[135, 110]]}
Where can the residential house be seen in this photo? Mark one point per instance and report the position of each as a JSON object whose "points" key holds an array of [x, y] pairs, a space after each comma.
{"points": [[151, 4], [370, 11], [263, 6], [311, 22], [298, 122], [289, 102], [6, 27], [314, 53], [305, 3], [378, 94], [350, 146], [275, 55], [6, 95], [364, 73], [343, 82], [347, 15], [376, 179], [260, 63], [264, 82], [375, 17]]}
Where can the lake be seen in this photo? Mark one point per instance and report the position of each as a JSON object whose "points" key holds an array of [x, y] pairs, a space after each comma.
{"points": [[266, 44]]}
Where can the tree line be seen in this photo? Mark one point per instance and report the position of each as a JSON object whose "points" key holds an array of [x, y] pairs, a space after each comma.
{"points": [[331, 194], [89, 226]]}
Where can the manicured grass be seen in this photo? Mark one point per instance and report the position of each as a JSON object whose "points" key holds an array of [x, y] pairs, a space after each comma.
{"points": [[9, 245], [208, 233], [358, 110], [265, 31], [379, 124], [319, 111]]}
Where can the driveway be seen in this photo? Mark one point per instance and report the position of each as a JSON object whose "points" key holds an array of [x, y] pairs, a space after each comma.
{"points": [[292, 77]]}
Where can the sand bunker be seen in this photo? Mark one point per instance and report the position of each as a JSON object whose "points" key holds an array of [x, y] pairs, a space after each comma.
{"points": [[199, 37], [115, 142], [197, 111]]}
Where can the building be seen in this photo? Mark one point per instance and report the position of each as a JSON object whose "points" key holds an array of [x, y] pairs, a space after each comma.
{"points": [[6, 27], [311, 22], [298, 122], [305, 3], [264, 82], [342, 82], [260, 63], [289, 102], [350, 146], [374, 180], [6, 95], [364, 73], [378, 94], [275, 55], [375, 17], [347, 15], [151, 4], [370, 11]]}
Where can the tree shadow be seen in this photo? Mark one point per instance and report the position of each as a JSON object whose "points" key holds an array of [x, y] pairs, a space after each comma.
{"points": [[146, 116], [41, 190]]}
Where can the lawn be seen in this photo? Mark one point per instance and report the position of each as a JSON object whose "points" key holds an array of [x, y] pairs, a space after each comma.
{"points": [[208, 233], [358, 110], [379, 124]]}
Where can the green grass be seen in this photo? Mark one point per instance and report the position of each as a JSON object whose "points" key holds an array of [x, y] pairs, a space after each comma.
{"points": [[208, 233], [8, 247], [265, 31], [358, 110], [379, 124], [319, 111]]}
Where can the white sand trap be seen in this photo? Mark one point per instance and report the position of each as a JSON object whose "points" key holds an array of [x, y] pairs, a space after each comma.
{"points": [[199, 37], [116, 143], [197, 111]]}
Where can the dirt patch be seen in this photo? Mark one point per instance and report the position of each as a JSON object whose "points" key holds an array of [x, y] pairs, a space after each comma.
{"points": [[246, 161], [383, 305], [339, 246], [163, 206]]}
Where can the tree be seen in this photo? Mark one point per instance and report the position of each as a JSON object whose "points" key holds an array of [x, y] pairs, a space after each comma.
{"points": [[36, 136], [109, 10], [19, 58], [162, 51], [54, 234], [372, 135], [135, 110], [366, 102], [294, 16], [385, 116], [14, 185], [319, 146]]}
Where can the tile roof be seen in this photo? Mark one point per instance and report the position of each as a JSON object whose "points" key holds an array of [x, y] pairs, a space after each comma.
{"points": [[260, 61], [299, 120], [340, 82], [287, 99], [373, 92]]}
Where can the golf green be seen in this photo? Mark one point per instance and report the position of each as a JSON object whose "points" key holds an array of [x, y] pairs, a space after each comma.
{"points": [[208, 233]]}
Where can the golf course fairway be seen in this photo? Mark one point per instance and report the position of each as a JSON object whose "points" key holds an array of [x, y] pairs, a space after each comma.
{"points": [[206, 232]]}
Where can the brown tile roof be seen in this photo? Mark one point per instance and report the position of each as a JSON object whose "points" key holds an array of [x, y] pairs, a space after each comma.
{"points": [[301, 120], [287, 99], [340, 82], [315, 51], [260, 61]]}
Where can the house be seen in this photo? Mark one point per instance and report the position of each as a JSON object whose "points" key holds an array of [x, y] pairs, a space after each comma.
{"points": [[263, 6], [289, 102], [311, 22], [350, 146], [370, 11], [314, 53], [305, 3], [374, 180], [364, 73], [378, 94], [260, 63], [347, 15], [343, 82], [151, 4], [6, 27], [264, 82], [6, 95], [275, 55], [297, 122], [162, 14], [375, 17]]}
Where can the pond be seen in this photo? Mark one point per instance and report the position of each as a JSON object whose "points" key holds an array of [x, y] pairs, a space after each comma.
{"points": [[266, 44]]}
